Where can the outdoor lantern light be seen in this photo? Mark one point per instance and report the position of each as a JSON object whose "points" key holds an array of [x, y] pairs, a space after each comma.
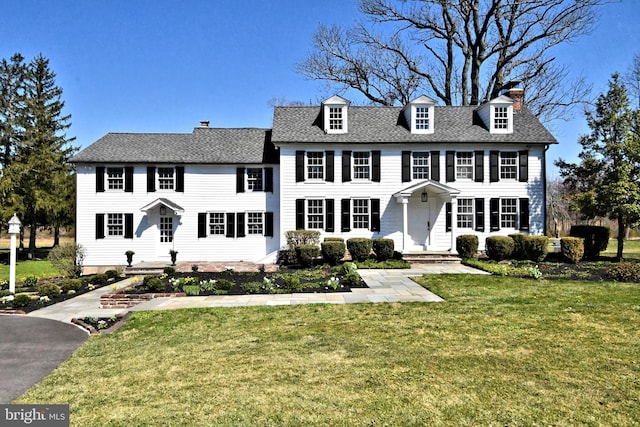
{"points": [[424, 197], [163, 210]]}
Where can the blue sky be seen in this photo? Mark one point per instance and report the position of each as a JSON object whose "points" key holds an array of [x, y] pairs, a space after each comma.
{"points": [[162, 65]]}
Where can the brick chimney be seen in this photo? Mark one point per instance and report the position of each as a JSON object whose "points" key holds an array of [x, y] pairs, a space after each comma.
{"points": [[517, 94]]}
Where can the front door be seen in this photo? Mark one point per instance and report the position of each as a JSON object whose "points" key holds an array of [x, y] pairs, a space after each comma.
{"points": [[420, 223], [166, 231]]}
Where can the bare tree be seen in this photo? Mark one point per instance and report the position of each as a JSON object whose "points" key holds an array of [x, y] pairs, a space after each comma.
{"points": [[632, 80], [461, 51]]}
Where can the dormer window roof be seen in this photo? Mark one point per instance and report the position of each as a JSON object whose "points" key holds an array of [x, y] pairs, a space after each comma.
{"points": [[419, 114], [497, 114], [335, 114]]}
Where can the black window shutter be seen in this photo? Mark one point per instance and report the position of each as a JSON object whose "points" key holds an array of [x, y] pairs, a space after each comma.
{"points": [[128, 226], [202, 225], [151, 179], [299, 214], [99, 179], [330, 172], [268, 224], [448, 215], [231, 225], [128, 179], [479, 214], [524, 214], [180, 179], [494, 159], [329, 209], [494, 214], [346, 166], [346, 215], [524, 166], [268, 180], [375, 166], [240, 224], [239, 180], [435, 166], [99, 226], [479, 165], [451, 166], [299, 166], [406, 166], [375, 214]]}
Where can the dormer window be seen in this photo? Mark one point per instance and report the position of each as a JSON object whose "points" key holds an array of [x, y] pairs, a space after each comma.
{"points": [[497, 114], [419, 114], [335, 115], [500, 118]]}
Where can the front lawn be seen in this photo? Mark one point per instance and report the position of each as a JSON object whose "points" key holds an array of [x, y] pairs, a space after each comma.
{"points": [[500, 351]]}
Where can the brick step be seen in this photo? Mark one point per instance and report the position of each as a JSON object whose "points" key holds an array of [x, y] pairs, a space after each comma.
{"points": [[431, 258]]}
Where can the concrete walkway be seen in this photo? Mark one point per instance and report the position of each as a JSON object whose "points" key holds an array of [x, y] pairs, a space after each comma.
{"points": [[384, 286]]}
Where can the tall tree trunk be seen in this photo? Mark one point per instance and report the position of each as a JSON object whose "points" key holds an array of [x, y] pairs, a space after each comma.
{"points": [[56, 236], [32, 239], [621, 229]]}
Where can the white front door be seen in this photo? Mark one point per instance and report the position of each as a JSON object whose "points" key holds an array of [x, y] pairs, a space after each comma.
{"points": [[420, 223], [165, 236]]}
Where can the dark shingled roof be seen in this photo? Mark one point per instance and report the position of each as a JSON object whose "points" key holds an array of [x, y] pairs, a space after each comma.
{"points": [[204, 145], [388, 125]]}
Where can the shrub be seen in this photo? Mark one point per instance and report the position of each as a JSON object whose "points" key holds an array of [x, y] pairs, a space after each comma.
{"points": [[112, 274], [383, 248], [536, 247], [224, 284], [153, 284], [50, 290], [333, 250], [334, 239], [595, 238], [286, 257], [519, 246], [30, 282], [572, 249], [71, 285], [68, 259], [351, 279], [296, 238], [21, 300], [251, 287], [292, 283], [467, 245], [99, 279], [169, 271], [307, 254], [499, 247], [624, 272], [359, 248]]}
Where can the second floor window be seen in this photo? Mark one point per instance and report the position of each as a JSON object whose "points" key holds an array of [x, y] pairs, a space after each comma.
{"points": [[464, 165], [361, 166], [315, 165], [421, 165], [254, 179], [115, 178], [508, 165], [165, 178]]}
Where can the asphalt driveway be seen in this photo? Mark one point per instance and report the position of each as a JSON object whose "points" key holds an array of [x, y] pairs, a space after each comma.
{"points": [[30, 349]]}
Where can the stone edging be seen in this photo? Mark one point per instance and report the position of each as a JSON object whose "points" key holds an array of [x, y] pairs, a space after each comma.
{"points": [[120, 299]]}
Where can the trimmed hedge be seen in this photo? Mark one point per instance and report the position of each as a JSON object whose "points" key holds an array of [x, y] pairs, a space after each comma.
{"points": [[536, 247], [572, 248], [307, 254], [359, 248], [467, 245], [499, 248], [334, 239], [519, 246], [383, 248], [333, 250], [596, 238]]}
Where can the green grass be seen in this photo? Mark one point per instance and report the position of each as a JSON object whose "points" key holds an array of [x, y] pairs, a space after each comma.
{"points": [[631, 249], [38, 268], [500, 351]]}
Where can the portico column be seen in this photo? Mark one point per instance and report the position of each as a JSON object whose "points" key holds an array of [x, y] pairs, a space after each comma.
{"points": [[405, 226], [454, 223]]}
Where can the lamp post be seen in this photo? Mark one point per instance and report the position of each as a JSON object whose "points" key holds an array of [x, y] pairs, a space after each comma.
{"points": [[14, 228]]}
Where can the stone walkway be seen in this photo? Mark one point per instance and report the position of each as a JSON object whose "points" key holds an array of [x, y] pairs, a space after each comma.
{"points": [[384, 286]]}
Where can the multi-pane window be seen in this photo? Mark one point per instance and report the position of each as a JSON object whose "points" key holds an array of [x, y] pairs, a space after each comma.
{"points": [[315, 214], [465, 213], [115, 178], [165, 178], [254, 179], [315, 165], [422, 118], [508, 213], [115, 224], [360, 213], [500, 118], [254, 223], [335, 118], [361, 166], [166, 229], [508, 165], [421, 165], [216, 223], [464, 165]]}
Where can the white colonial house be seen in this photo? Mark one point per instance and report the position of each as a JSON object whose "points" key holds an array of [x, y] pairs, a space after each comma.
{"points": [[421, 175]]}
